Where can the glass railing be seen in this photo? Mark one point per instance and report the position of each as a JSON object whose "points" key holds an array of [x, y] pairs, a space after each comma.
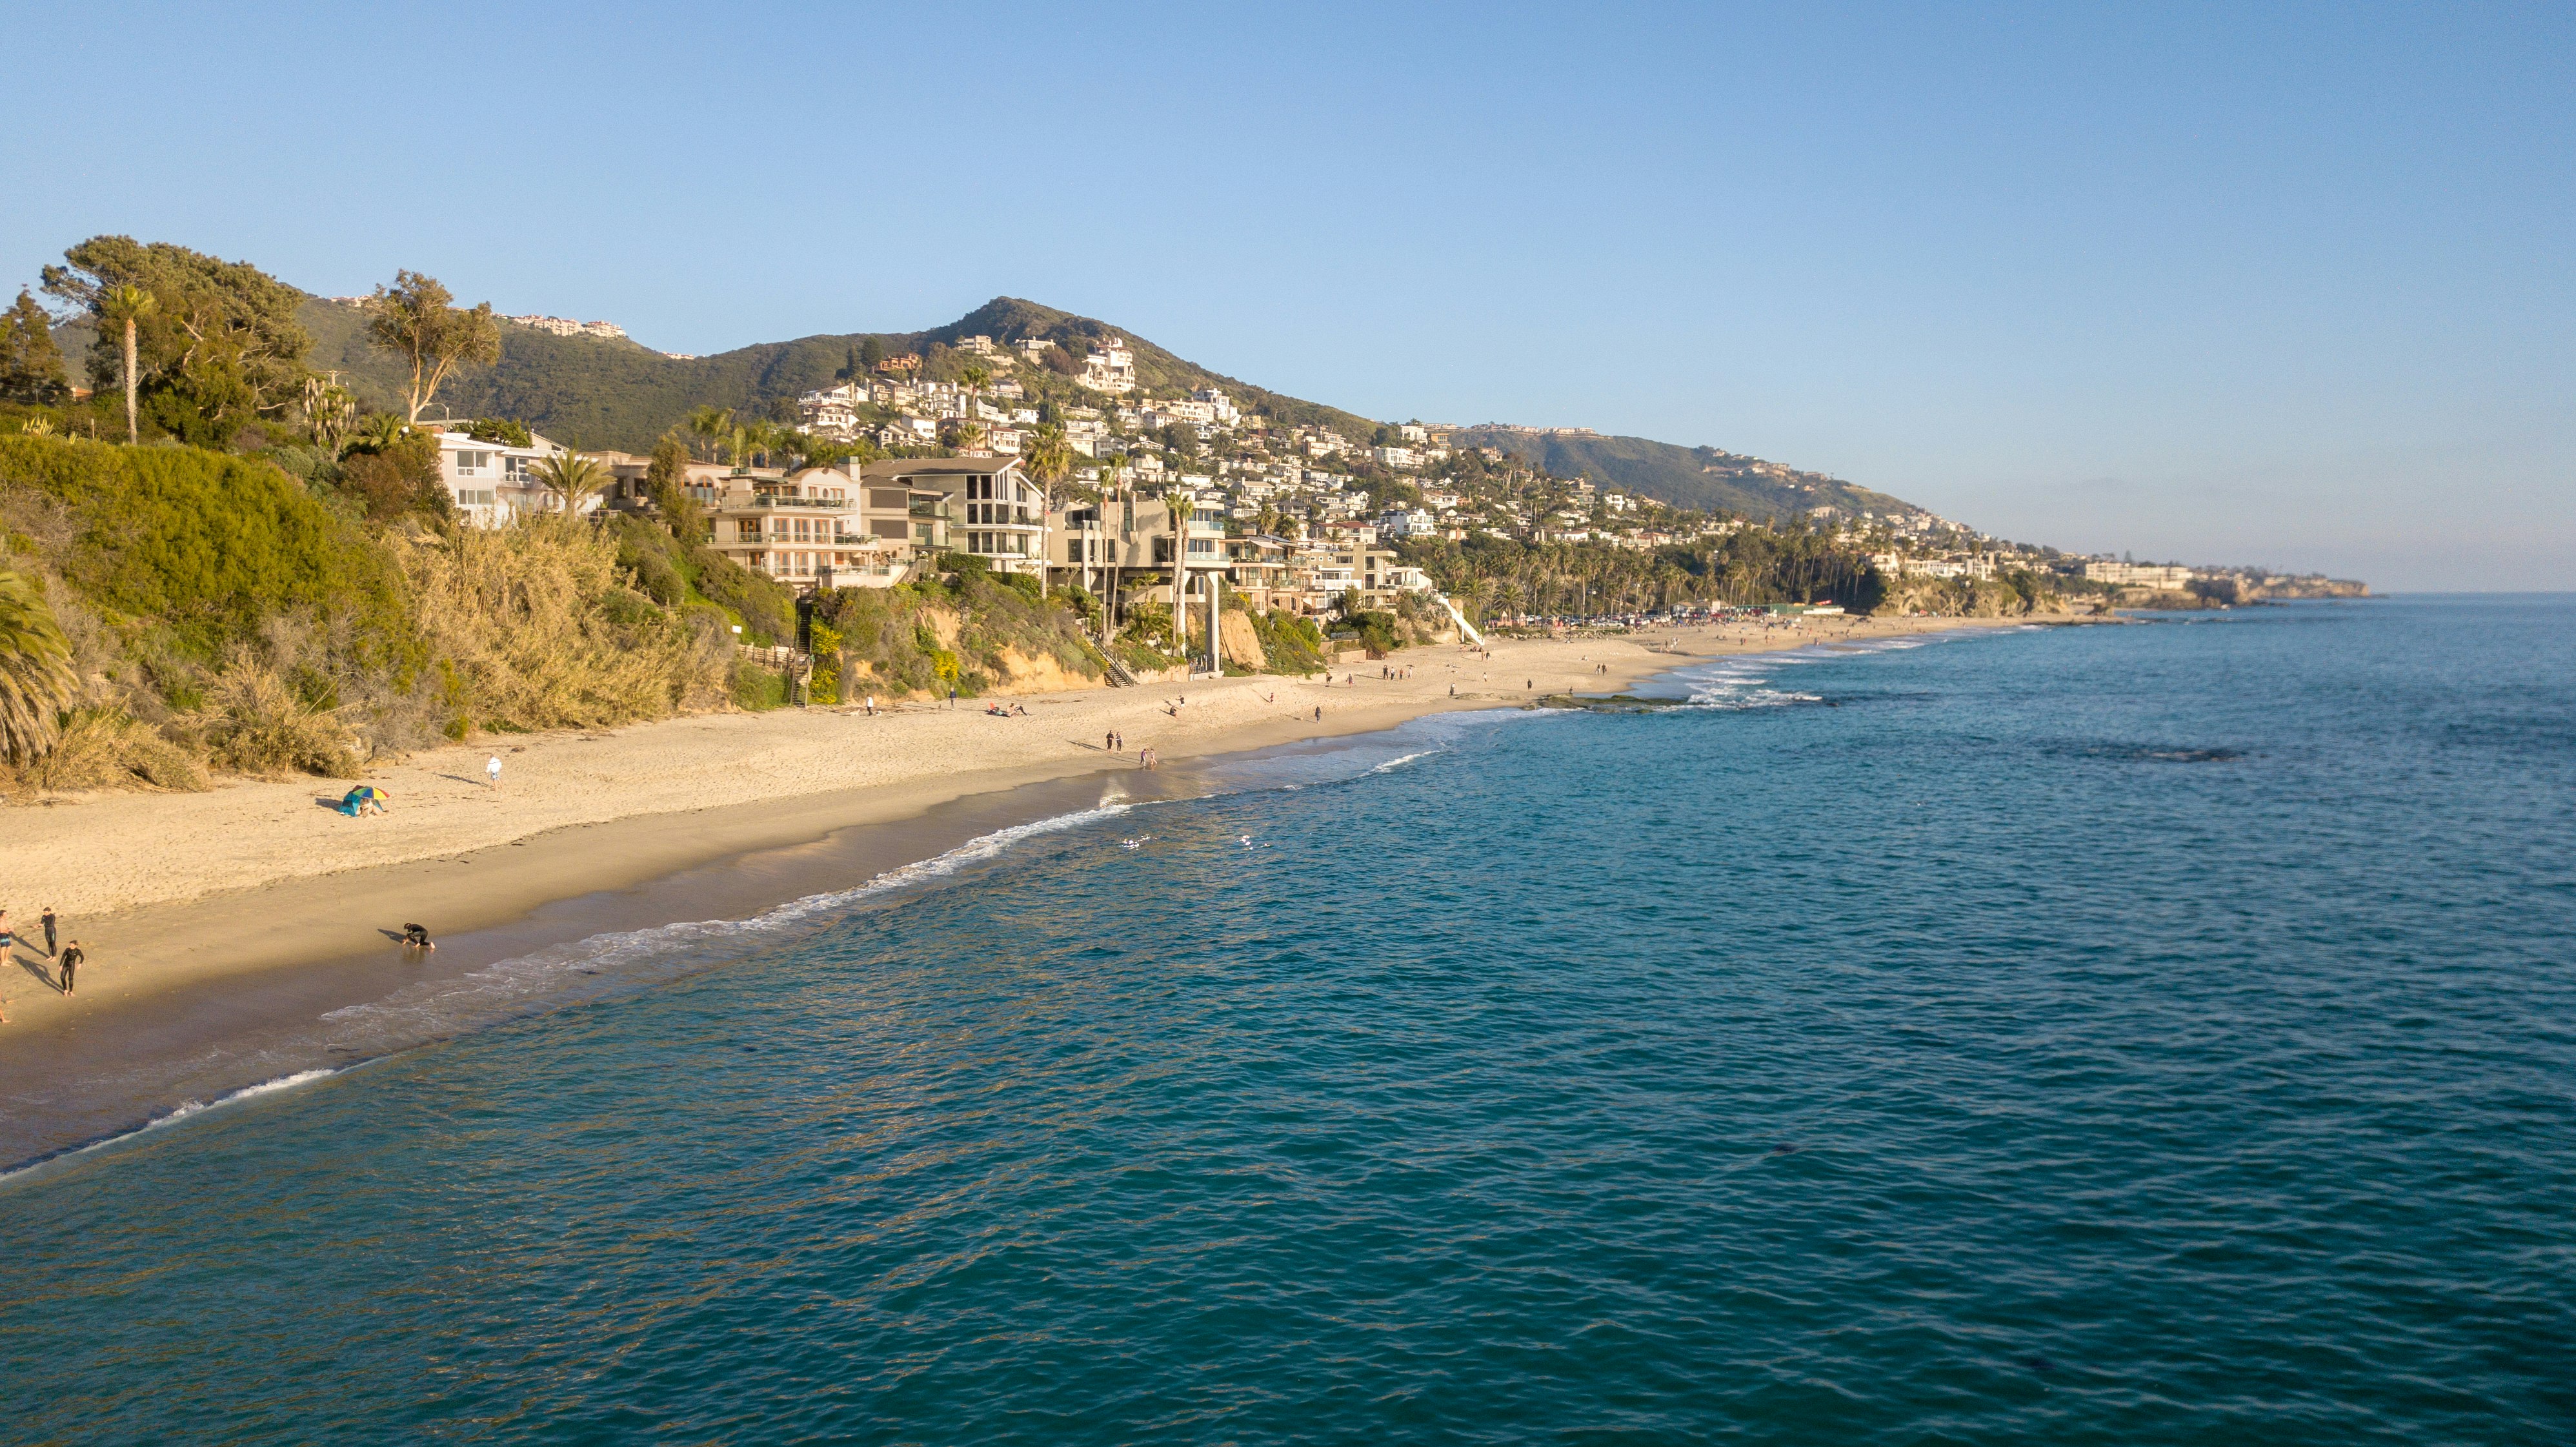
{"points": [[839, 504]]}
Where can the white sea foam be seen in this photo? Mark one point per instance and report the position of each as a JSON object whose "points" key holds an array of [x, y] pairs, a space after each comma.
{"points": [[498, 988], [184, 1110]]}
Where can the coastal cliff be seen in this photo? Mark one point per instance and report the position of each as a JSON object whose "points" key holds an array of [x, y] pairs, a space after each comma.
{"points": [[2017, 595]]}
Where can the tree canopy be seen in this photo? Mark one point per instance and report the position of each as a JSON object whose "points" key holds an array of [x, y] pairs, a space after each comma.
{"points": [[413, 319], [31, 366], [220, 348]]}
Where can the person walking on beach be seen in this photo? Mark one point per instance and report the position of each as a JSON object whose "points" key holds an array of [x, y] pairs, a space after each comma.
{"points": [[8, 939], [47, 919], [72, 958], [492, 771], [952, 695]]}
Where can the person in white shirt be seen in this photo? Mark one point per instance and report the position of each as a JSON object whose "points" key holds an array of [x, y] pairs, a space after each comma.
{"points": [[492, 770]]}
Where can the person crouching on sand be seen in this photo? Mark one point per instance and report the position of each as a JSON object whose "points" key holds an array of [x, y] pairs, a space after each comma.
{"points": [[416, 936]]}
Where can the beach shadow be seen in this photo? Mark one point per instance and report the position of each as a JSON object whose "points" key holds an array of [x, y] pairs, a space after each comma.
{"points": [[1095, 748], [331, 803], [460, 778], [34, 966], [392, 934]]}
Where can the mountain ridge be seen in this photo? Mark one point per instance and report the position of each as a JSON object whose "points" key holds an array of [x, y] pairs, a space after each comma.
{"points": [[616, 393]]}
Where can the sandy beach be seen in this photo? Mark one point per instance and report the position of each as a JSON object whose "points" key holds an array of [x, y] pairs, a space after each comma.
{"points": [[166, 891]]}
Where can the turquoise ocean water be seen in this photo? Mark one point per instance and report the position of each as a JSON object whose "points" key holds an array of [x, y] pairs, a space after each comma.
{"points": [[2154, 1034]]}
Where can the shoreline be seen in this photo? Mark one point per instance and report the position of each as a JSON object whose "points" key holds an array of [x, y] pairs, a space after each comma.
{"points": [[186, 996]]}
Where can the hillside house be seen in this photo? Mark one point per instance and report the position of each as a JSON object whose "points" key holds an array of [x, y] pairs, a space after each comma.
{"points": [[489, 483]]}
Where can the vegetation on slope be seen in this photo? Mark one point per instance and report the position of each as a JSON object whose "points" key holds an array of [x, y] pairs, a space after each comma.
{"points": [[604, 392], [1694, 477], [1490, 575], [216, 613]]}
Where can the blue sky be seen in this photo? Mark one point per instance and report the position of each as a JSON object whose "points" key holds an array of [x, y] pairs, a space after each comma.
{"points": [[2288, 286]]}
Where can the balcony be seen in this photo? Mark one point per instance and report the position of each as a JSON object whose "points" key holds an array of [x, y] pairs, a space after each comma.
{"points": [[826, 504]]}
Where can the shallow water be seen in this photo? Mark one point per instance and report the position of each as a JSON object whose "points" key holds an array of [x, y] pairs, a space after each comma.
{"points": [[2156, 1033]]}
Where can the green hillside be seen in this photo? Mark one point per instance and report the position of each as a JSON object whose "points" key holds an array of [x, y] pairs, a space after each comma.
{"points": [[605, 393], [1696, 477], [618, 394]]}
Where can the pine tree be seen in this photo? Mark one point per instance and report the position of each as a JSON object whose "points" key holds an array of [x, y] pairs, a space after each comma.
{"points": [[31, 366]]}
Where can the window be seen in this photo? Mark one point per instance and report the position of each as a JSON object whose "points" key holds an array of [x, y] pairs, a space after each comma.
{"points": [[747, 530], [469, 464], [515, 469]]}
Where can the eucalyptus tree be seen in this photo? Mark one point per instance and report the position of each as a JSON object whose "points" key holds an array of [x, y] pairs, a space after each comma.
{"points": [[413, 319]]}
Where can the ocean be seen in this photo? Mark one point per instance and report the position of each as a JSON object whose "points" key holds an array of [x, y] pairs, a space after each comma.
{"points": [[2135, 1034]]}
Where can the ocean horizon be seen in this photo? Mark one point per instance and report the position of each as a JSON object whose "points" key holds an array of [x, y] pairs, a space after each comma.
{"points": [[2032, 1034]]}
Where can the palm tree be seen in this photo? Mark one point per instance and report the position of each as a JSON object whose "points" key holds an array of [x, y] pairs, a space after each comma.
{"points": [[127, 304], [713, 424], [379, 433], [36, 677], [1050, 459], [571, 477]]}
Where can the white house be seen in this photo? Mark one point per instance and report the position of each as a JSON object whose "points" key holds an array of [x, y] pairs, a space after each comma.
{"points": [[492, 482]]}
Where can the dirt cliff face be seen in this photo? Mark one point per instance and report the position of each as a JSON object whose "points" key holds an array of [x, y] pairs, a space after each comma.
{"points": [[1241, 644]]}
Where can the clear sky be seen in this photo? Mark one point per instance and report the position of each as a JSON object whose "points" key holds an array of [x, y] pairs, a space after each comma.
{"points": [[2215, 284]]}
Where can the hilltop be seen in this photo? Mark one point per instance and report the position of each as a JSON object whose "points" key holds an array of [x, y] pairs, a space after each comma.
{"points": [[616, 393], [612, 392]]}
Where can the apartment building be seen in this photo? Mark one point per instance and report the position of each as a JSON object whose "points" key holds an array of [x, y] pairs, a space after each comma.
{"points": [[986, 506], [1128, 544], [2139, 575]]}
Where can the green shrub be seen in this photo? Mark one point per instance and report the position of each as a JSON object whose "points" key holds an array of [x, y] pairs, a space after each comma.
{"points": [[203, 547], [1292, 644], [758, 687], [765, 606]]}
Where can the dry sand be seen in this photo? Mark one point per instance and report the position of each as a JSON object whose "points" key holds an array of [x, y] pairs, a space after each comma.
{"points": [[171, 889]]}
